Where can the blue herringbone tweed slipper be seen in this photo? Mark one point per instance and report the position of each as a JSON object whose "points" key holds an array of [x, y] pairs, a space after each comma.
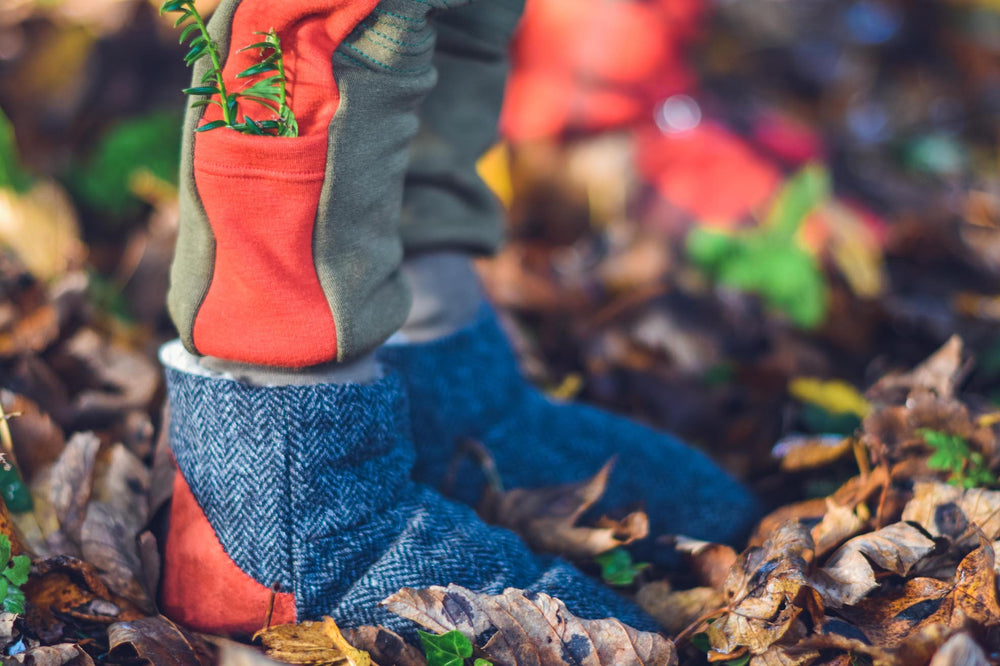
{"points": [[309, 487], [468, 385]]}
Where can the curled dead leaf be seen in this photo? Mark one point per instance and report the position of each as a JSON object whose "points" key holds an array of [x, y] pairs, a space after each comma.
{"points": [[711, 562], [767, 590], [950, 511], [839, 523], [384, 646], [156, 641], [676, 610], [547, 517], [313, 643], [938, 374], [849, 575], [529, 627]]}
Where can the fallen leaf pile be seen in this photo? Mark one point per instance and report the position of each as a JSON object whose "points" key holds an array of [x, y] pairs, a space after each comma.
{"points": [[896, 567]]}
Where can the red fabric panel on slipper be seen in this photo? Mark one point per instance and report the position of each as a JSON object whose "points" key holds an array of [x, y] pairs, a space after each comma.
{"points": [[202, 587]]}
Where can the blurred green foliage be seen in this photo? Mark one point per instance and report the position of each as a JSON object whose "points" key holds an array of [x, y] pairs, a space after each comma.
{"points": [[151, 143], [12, 174], [770, 261]]}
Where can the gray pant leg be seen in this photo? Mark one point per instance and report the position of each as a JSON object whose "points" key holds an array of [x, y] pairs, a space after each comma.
{"points": [[446, 206]]}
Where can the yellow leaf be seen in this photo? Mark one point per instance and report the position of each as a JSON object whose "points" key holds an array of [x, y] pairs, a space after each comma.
{"points": [[494, 169], [41, 227], [314, 643], [835, 396]]}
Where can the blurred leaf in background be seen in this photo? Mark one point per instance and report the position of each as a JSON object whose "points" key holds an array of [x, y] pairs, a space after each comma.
{"points": [[37, 220], [106, 181], [770, 261]]}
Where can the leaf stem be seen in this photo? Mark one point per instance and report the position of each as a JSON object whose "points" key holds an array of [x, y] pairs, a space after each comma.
{"points": [[213, 53]]}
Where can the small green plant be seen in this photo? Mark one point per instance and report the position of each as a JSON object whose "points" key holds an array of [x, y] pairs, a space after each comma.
{"points": [[617, 567], [952, 454], [13, 574], [450, 649], [268, 92], [770, 261]]}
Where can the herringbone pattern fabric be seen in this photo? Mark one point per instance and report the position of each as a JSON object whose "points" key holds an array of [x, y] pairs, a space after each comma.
{"points": [[469, 385], [309, 487]]}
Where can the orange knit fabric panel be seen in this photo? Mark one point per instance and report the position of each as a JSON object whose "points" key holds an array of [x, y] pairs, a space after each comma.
{"points": [[265, 304], [202, 587]]}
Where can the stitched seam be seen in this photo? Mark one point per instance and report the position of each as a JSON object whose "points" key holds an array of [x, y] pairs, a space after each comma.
{"points": [[400, 16], [396, 41], [376, 61], [219, 169], [411, 54]]}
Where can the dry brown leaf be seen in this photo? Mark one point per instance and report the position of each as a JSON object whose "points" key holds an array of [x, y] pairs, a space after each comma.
{"points": [[64, 654], [546, 517], [937, 374], [120, 378], [779, 655], [72, 481], [156, 641], [385, 647], [766, 591], [711, 562], [803, 452], [960, 650], [114, 519], [38, 440], [313, 643], [839, 523], [808, 510], [32, 331], [848, 575], [889, 617], [65, 590], [949, 511], [974, 597], [530, 628], [676, 610]]}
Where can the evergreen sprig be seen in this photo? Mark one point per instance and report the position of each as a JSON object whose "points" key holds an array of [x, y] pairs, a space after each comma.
{"points": [[269, 92]]}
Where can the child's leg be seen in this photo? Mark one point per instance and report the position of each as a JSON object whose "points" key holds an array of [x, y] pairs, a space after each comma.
{"points": [[462, 378], [295, 487]]}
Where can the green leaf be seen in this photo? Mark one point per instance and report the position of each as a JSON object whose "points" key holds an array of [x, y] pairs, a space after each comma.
{"points": [[700, 641], [186, 32], [4, 550], [12, 174], [13, 601], [259, 68], [183, 17], [482, 662], [806, 190], [101, 180], [17, 572], [617, 567], [172, 6], [258, 45], [708, 248], [201, 90], [450, 649], [14, 491], [195, 53], [211, 126]]}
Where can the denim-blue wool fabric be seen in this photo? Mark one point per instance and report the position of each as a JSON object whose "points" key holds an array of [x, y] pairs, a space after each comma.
{"points": [[468, 385], [310, 487]]}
